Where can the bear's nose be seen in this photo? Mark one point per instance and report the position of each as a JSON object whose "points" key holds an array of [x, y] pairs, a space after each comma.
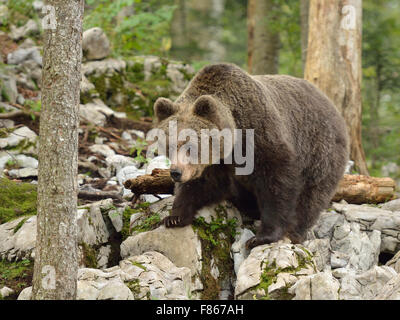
{"points": [[176, 174]]}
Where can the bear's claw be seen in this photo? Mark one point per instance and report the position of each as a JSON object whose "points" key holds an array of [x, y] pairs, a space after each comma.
{"points": [[172, 221], [251, 243]]}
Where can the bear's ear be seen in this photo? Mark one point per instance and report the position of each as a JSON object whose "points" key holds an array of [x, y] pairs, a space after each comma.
{"points": [[164, 108], [207, 107]]}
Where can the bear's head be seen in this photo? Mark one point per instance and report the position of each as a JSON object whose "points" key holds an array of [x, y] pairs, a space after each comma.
{"points": [[193, 134]]}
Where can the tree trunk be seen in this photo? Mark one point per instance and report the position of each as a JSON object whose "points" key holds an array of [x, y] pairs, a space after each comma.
{"points": [[56, 259], [304, 9], [334, 63], [263, 37]]}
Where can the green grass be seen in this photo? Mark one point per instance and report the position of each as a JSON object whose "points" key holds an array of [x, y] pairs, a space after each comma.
{"points": [[16, 275], [16, 200]]}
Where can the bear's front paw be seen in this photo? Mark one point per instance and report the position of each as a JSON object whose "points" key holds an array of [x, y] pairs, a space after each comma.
{"points": [[257, 241], [173, 222]]}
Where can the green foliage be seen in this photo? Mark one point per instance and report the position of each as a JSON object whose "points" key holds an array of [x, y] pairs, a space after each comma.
{"points": [[16, 275], [290, 33], [16, 200], [11, 164], [20, 11], [381, 80], [34, 106], [146, 31], [13, 270], [234, 32], [140, 144]]}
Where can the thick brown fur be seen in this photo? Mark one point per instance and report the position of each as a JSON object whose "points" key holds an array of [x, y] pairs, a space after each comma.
{"points": [[300, 149]]}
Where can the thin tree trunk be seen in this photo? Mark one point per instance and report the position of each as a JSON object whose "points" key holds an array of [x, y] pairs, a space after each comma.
{"points": [[334, 63], [264, 40], [304, 9], [56, 259]]}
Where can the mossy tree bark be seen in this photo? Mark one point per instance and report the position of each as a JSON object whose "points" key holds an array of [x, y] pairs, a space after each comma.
{"points": [[263, 37], [56, 259], [334, 63]]}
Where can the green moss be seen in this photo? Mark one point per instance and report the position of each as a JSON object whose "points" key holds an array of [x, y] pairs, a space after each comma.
{"points": [[23, 146], [216, 240], [16, 200], [147, 224], [5, 132], [19, 225], [270, 276], [211, 231], [133, 286], [16, 275], [108, 87], [88, 96], [135, 72], [89, 256]]}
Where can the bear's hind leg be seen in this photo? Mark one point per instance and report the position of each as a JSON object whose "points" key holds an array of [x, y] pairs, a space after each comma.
{"points": [[277, 213], [310, 204]]}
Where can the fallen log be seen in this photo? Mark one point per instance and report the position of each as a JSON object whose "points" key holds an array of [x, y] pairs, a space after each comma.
{"points": [[356, 189], [158, 182], [127, 124], [99, 195]]}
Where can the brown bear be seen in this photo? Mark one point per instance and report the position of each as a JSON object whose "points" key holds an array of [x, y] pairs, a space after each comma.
{"points": [[300, 149]]}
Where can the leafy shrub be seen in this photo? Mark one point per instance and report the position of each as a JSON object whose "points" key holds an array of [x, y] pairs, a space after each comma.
{"points": [[147, 31]]}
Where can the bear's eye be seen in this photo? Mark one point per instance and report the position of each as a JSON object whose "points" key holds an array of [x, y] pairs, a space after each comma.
{"points": [[192, 154]]}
